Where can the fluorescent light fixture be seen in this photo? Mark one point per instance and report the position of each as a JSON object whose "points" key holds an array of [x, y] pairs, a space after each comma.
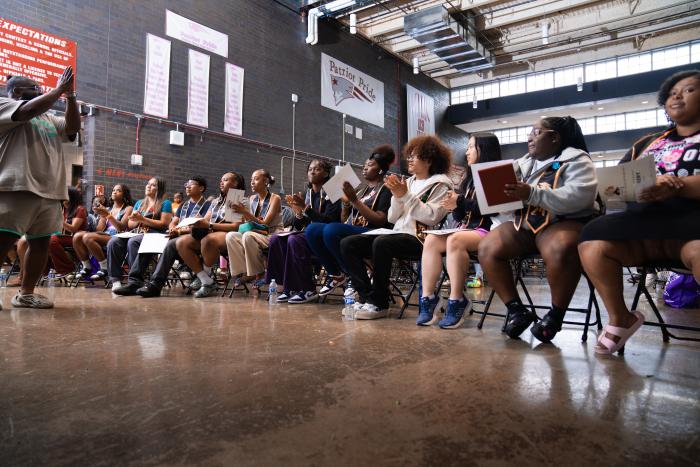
{"points": [[645, 102], [338, 5], [601, 108], [353, 23], [416, 66]]}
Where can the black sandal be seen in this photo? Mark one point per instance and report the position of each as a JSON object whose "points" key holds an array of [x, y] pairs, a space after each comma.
{"points": [[546, 328], [519, 321]]}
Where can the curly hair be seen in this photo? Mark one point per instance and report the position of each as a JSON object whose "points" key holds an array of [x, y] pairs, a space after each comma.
{"points": [[430, 149], [667, 85], [384, 156]]}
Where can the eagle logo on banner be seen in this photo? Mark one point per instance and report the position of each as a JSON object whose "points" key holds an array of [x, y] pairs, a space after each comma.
{"points": [[345, 89]]}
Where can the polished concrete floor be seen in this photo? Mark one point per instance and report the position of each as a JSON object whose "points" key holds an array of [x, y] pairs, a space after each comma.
{"points": [[106, 380]]}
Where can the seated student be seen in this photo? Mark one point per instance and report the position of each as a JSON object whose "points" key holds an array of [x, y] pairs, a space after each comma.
{"points": [[415, 206], [245, 248], [482, 147], [195, 206], [93, 218], [74, 220], [558, 188], [186, 247], [150, 214], [665, 225], [110, 222], [177, 200], [289, 257], [364, 210]]}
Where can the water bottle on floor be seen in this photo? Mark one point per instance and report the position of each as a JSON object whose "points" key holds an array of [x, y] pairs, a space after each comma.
{"points": [[4, 273], [272, 292], [51, 279], [348, 311]]}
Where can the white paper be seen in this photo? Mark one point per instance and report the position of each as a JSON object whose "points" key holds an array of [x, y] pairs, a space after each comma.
{"points": [[198, 89], [444, 231], [153, 243], [334, 186], [479, 188], [188, 221], [127, 234], [157, 82], [234, 197], [623, 183], [382, 232]]}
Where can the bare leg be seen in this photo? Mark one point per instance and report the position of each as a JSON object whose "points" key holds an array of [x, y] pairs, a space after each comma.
{"points": [[496, 249], [95, 243], [212, 246], [7, 242], [459, 244], [558, 246], [79, 246], [22, 247], [34, 263], [431, 262], [690, 255], [188, 249]]}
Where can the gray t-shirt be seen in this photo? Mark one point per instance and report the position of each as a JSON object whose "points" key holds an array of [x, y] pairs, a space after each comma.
{"points": [[31, 155]]}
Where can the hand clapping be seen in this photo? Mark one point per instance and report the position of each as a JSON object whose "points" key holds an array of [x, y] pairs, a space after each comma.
{"points": [[396, 185], [449, 202]]}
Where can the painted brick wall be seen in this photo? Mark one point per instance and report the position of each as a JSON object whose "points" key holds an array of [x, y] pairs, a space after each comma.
{"points": [[265, 39]]}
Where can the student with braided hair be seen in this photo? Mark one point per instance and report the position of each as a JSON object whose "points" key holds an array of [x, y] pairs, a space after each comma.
{"points": [[558, 187]]}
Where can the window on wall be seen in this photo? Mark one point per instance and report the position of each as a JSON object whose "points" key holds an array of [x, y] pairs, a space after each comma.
{"points": [[523, 133], [601, 70], [610, 123], [641, 119], [540, 81], [695, 52], [512, 86], [673, 56], [568, 76], [587, 125], [661, 117], [634, 64]]}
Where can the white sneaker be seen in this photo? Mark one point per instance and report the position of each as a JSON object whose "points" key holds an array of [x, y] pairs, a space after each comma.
{"points": [[331, 284], [283, 298], [370, 311], [303, 297], [116, 285], [357, 306], [31, 300]]}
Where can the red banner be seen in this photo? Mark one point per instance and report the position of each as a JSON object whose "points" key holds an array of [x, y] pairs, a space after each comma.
{"points": [[38, 55]]}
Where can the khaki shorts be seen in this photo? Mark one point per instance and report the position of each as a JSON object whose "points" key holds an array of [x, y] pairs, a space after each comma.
{"points": [[24, 213]]}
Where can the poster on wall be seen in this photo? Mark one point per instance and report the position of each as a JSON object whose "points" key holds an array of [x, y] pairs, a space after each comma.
{"points": [[198, 89], [185, 30], [157, 82], [33, 53], [420, 113], [233, 118], [349, 91]]}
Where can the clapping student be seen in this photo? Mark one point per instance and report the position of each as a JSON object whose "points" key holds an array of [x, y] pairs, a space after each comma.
{"points": [[665, 225], [262, 217], [482, 147], [289, 259], [74, 221], [558, 187], [363, 210], [415, 207]]}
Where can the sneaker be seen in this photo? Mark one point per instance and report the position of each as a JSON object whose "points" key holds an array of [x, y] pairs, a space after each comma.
{"points": [[518, 321], [331, 284], [116, 285], [84, 272], [31, 300], [99, 275], [454, 315], [546, 328], [125, 290], [149, 290], [206, 290], [196, 284], [303, 297], [284, 297], [370, 311], [358, 305], [426, 313], [476, 283]]}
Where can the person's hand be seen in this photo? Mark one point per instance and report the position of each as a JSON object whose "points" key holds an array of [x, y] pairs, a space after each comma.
{"points": [[240, 209], [101, 211], [396, 185], [449, 202], [66, 81], [518, 190], [349, 192], [201, 224], [666, 187], [136, 216]]}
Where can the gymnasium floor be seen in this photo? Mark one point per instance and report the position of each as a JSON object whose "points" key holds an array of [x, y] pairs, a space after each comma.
{"points": [[106, 380]]}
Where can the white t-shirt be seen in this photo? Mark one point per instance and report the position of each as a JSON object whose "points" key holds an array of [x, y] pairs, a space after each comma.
{"points": [[540, 164], [418, 185], [31, 155]]}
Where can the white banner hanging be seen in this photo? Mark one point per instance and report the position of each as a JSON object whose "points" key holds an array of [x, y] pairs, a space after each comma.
{"points": [[420, 113], [198, 89], [233, 118], [196, 34], [349, 91], [157, 82]]}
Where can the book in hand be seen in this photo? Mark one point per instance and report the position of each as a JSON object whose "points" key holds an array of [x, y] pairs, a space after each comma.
{"points": [[490, 179], [623, 183]]}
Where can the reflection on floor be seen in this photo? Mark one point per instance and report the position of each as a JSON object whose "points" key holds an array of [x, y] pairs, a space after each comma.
{"points": [[106, 380]]}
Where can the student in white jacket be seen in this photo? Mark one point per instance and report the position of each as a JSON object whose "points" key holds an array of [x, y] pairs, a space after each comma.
{"points": [[558, 187], [415, 207]]}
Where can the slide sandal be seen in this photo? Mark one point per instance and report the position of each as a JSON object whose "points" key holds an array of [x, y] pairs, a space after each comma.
{"points": [[607, 346]]}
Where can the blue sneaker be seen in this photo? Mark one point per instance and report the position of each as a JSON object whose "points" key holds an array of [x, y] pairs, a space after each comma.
{"points": [[454, 315], [426, 314]]}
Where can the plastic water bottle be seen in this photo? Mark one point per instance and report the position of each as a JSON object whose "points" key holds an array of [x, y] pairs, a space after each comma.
{"points": [[272, 292], [348, 311], [52, 278], [3, 277]]}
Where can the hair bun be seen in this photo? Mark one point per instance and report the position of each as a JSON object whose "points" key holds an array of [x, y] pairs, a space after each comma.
{"points": [[271, 180]]}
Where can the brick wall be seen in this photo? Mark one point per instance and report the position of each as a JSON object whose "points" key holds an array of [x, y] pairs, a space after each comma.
{"points": [[265, 39]]}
